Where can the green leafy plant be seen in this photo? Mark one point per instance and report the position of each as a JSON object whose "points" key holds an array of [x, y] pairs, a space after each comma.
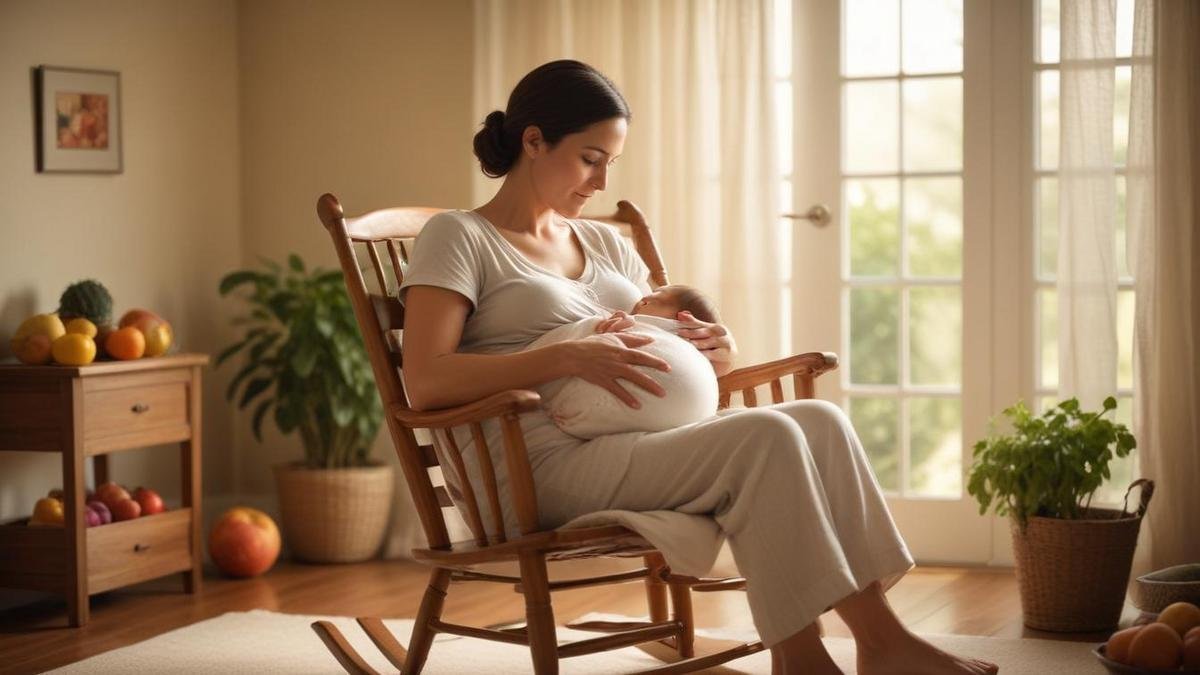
{"points": [[304, 352], [1048, 465]]}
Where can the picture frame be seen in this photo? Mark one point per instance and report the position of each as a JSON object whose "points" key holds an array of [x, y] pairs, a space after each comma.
{"points": [[78, 120]]}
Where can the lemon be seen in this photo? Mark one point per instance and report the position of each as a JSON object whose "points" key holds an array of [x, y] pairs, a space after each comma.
{"points": [[81, 326], [74, 349]]}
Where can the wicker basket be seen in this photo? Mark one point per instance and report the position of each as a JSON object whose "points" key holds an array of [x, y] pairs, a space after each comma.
{"points": [[334, 515], [1156, 590], [1073, 574]]}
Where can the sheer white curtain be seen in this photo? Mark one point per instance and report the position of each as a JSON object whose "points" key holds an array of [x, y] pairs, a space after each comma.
{"points": [[699, 159], [1164, 221], [1087, 271]]}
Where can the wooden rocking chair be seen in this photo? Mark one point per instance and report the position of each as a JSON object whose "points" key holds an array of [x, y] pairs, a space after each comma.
{"points": [[381, 318]]}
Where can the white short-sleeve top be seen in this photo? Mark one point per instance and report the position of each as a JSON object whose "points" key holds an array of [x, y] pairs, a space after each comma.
{"points": [[515, 301]]}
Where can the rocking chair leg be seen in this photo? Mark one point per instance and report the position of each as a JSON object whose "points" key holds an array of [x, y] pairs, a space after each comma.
{"points": [[539, 615], [431, 610], [656, 590], [681, 603]]}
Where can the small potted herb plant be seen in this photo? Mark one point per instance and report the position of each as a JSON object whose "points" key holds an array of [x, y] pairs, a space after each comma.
{"points": [[1073, 559], [305, 364]]}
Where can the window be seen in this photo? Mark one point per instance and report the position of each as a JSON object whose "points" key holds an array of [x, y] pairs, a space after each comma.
{"points": [[902, 229]]}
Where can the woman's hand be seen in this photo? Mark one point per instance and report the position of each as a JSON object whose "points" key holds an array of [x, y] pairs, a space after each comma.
{"points": [[713, 340], [602, 360]]}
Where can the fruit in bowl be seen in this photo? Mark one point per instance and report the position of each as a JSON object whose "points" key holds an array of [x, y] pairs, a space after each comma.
{"points": [[1169, 643]]}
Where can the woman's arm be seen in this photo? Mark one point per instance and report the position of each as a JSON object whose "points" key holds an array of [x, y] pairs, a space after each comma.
{"points": [[437, 376]]}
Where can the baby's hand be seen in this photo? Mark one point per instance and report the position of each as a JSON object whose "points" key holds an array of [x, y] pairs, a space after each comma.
{"points": [[616, 323]]}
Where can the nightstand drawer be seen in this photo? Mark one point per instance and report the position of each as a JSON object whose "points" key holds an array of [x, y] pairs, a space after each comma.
{"points": [[139, 549], [132, 417]]}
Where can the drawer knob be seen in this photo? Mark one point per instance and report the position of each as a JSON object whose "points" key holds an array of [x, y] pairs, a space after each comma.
{"points": [[138, 548], [140, 408]]}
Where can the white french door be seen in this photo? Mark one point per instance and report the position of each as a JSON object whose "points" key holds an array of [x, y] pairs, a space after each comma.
{"points": [[894, 115]]}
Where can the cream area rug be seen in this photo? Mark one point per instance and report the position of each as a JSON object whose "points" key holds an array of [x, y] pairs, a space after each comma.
{"points": [[262, 642]]}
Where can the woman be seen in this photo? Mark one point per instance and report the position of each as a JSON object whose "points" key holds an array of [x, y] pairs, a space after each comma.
{"points": [[789, 484]]}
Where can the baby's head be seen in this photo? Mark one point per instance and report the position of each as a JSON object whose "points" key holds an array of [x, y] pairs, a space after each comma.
{"points": [[668, 301]]}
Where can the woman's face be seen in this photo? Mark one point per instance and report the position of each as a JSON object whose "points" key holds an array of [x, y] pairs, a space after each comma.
{"points": [[567, 175]]}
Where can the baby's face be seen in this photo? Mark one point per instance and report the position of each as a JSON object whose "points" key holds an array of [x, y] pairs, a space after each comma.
{"points": [[662, 303]]}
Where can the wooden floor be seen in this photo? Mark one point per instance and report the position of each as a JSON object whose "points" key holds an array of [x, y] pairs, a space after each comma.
{"points": [[35, 638]]}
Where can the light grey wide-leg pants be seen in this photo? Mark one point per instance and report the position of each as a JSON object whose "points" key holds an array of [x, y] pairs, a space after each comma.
{"points": [[789, 484]]}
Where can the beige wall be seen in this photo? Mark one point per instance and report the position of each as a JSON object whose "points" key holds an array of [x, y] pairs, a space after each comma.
{"points": [[237, 116], [158, 235], [368, 100]]}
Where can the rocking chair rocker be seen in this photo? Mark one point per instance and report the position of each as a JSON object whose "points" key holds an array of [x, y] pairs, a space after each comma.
{"points": [[380, 318]]}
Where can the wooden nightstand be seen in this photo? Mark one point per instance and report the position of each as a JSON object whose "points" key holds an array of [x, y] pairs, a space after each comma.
{"points": [[90, 411]]}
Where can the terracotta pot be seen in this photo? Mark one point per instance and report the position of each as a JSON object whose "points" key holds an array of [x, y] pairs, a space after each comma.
{"points": [[334, 515]]}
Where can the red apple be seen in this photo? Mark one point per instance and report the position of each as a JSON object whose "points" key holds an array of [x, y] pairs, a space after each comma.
{"points": [[110, 493], [126, 509], [149, 500], [244, 542]]}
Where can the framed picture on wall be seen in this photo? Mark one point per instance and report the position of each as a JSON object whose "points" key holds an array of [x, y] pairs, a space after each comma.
{"points": [[78, 120]]}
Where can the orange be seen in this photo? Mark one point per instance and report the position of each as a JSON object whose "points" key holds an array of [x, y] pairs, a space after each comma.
{"points": [[1117, 647], [1182, 616], [1191, 649], [33, 350], [125, 344], [1157, 646], [73, 349]]}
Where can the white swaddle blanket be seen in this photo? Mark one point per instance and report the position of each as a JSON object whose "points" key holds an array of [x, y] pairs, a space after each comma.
{"points": [[586, 410]]}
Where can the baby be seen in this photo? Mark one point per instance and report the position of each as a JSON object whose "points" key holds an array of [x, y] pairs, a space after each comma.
{"points": [[586, 410]]}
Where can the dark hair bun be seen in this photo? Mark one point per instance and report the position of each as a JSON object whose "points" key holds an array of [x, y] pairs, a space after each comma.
{"points": [[559, 98], [495, 155]]}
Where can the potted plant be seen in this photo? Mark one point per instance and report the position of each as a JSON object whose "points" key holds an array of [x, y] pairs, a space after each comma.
{"points": [[304, 362], [1072, 558]]}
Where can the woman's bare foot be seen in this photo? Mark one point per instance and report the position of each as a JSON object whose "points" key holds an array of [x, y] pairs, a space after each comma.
{"points": [[910, 655]]}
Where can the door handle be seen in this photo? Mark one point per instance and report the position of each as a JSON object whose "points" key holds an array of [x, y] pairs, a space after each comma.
{"points": [[817, 214]]}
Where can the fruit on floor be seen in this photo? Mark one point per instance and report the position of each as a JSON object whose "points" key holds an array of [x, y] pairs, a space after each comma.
{"points": [[125, 344], [82, 326], [149, 500], [1182, 616], [73, 349], [1117, 647], [34, 338], [244, 542], [126, 509], [1191, 649], [88, 299], [1156, 646], [47, 511]]}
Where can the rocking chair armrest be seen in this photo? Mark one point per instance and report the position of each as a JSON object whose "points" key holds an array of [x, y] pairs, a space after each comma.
{"points": [[512, 401], [810, 363]]}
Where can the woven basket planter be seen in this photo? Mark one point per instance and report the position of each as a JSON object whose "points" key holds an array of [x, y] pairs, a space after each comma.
{"points": [[1073, 574], [334, 515]]}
